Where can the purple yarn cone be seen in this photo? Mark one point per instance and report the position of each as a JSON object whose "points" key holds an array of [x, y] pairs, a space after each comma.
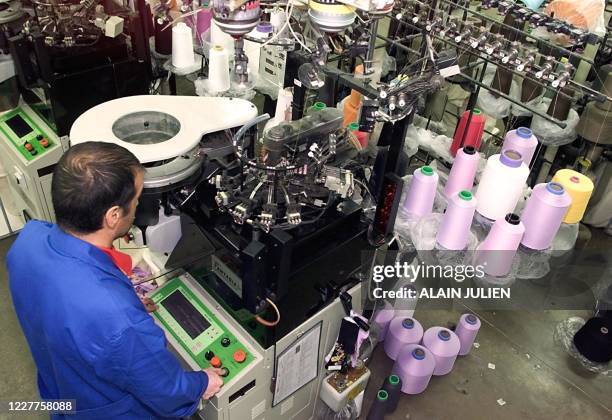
{"points": [[462, 173], [421, 192], [496, 252], [523, 141], [414, 365], [444, 345], [382, 319], [466, 330], [402, 331], [454, 231], [543, 214]]}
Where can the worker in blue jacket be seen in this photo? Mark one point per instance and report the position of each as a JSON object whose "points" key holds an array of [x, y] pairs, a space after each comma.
{"points": [[91, 337]]}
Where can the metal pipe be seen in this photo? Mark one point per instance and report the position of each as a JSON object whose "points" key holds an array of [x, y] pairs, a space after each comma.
{"points": [[488, 18], [488, 60], [480, 84], [367, 63], [503, 95]]}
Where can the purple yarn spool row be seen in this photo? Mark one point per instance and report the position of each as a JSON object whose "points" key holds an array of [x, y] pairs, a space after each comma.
{"points": [[466, 330], [454, 231], [414, 365], [523, 141], [382, 319], [444, 345], [543, 214], [462, 173], [402, 331], [421, 192], [496, 253]]}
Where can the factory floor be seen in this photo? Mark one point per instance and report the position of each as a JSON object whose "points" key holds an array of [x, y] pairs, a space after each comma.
{"points": [[532, 378]]}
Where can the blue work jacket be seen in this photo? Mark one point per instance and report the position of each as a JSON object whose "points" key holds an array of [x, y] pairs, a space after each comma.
{"points": [[90, 335]]}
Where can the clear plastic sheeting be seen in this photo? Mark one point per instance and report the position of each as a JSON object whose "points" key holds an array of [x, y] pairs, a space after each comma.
{"points": [[533, 264], [519, 111], [564, 337], [565, 239], [435, 144], [348, 412], [488, 281], [481, 226], [550, 134], [497, 107]]}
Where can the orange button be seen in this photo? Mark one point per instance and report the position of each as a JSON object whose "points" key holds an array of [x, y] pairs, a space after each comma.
{"points": [[44, 143], [215, 362], [239, 356], [28, 147]]}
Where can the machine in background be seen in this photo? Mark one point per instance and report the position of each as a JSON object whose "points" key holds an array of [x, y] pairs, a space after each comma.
{"points": [[68, 58]]}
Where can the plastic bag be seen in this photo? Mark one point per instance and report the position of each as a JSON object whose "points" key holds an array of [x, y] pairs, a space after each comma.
{"points": [[550, 134], [348, 412], [496, 107], [564, 338], [533, 264], [565, 239], [519, 111]]}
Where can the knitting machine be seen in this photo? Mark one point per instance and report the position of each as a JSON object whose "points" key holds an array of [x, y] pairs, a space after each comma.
{"points": [[70, 48], [276, 218]]}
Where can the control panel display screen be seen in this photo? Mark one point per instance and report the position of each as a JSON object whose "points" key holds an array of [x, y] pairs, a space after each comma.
{"points": [[19, 126], [187, 316]]}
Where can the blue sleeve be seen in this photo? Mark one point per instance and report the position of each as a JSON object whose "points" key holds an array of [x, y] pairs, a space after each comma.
{"points": [[138, 361]]}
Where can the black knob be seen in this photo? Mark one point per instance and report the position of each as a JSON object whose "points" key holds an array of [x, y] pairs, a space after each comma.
{"points": [[225, 341], [224, 372], [39, 137], [209, 355]]}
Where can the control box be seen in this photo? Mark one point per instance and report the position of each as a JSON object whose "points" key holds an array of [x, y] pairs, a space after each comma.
{"points": [[25, 135], [29, 150], [202, 331]]}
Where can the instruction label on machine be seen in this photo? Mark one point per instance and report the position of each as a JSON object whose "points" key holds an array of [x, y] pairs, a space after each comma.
{"points": [[297, 365]]}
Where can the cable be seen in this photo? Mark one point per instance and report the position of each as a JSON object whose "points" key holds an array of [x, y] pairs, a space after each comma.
{"points": [[295, 36], [269, 323], [288, 12]]}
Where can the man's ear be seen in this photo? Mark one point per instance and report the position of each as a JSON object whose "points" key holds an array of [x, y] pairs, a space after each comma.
{"points": [[112, 217]]}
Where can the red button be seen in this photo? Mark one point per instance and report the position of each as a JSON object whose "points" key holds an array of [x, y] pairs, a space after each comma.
{"points": [[239, 356], [28, 147], [44, 143], [215, 362]]}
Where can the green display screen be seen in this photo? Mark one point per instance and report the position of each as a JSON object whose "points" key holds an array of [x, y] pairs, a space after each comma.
{"points": [[197, 330], [18, 128]]}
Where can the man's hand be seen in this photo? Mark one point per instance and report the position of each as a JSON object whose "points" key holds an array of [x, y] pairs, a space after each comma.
{"points": [[215, 382], [148, 303]]}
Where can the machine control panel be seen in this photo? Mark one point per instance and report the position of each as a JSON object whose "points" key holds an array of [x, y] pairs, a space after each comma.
{"points": [[198, 331], [25, 135]]}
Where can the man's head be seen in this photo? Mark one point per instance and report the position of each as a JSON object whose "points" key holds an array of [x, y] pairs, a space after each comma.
{"points": [[95, 188]]}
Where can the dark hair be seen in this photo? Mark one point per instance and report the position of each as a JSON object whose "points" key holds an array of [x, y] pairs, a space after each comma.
{"points": [[88, 180]]}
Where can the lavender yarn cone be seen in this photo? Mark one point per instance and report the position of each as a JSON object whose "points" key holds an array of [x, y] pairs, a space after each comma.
{"points": [[421, 193], [462, 173], [382, 319], [444, 345], [543, 214], [454, 230], [496, 252], [402, 331], [414, 365], [466, 330], [523, 141]]}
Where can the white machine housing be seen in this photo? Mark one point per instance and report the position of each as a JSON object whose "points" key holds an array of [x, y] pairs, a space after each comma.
{"points": [[30, 181]]}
